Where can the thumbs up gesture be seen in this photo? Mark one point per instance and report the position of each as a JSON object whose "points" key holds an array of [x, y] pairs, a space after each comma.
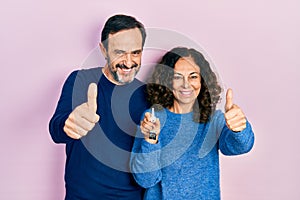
{"points": [[234, 116], [83, 118]]}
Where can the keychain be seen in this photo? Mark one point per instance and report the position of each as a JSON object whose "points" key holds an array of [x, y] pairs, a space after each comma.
{"points": [[152, 134]]}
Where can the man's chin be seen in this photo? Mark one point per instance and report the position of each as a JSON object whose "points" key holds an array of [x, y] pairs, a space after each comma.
{"points": [[126, 78]]}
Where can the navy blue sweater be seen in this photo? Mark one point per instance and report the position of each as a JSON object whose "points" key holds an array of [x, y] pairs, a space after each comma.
{"points": [[97, 165]]}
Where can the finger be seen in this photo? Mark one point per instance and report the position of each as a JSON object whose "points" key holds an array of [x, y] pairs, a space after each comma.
{"points": [[91, 117], [75, 128], [79, 130], [236, 120], [81, 115], [144, 131], [157, 122], [71, 133], [92, 97], [240, 128], [229, 102], [233, 124], [157, 126], [85, 125], [83, 122], [237, 128], [147, 126], [147, 117], [233, 112]]}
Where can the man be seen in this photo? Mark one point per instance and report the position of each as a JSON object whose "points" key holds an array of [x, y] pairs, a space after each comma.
{"points": [[97, 114]]}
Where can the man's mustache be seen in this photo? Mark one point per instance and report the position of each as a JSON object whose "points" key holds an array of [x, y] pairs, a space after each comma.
{"points": [[122, 66]]}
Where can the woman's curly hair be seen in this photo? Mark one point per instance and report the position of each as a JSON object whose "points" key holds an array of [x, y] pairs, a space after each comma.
{"points": [[160, 84]]}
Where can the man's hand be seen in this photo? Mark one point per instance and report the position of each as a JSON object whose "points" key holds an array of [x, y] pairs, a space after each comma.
{"points": [[83, 118], [234, 116]]}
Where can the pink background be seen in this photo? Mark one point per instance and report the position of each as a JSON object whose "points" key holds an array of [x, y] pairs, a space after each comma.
{"points": [[254, 45]]}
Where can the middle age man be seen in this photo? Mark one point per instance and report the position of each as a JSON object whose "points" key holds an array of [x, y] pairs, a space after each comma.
{"points": [[97, 114]]}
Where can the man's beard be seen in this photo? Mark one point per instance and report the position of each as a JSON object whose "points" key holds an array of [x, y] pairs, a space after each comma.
{"points": [[123, 79]]}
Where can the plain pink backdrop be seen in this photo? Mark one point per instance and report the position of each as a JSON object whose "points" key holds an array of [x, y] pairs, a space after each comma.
{"points": [[254, 45]]}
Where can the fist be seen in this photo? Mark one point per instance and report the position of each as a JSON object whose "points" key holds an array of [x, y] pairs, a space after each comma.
{"points": [[149, 125], [83, 118], [234, 116]]}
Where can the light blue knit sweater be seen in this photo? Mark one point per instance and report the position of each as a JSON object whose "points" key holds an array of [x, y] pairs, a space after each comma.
{"points": [[184, 164]]}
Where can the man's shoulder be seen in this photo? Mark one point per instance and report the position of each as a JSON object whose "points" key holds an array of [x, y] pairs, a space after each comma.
{"points": [[90, 71], [138, 81], [88, 75], [138, 84]]}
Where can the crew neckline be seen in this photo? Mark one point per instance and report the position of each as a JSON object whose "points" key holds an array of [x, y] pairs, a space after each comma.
{"points": [[103, 76], [189, 113]]}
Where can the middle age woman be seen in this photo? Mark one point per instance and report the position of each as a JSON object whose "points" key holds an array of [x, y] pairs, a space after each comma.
{"points": [[182, 161]]}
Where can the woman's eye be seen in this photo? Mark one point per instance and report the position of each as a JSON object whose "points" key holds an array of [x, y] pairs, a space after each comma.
{"points": [[177, 77], [194, 77]]}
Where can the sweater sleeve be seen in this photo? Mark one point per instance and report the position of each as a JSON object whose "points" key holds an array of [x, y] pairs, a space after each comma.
{"points": [[236, 143], [145, 162], [63, 109]]}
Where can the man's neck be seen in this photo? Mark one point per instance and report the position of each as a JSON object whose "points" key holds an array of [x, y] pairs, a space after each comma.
{"points": [[107, 74]]}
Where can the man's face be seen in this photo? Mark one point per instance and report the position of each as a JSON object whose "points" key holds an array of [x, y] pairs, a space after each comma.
{"points": [[124, 55]]}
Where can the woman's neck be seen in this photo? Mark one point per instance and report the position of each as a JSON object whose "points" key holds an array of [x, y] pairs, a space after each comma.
{"points": [[181, 108]]}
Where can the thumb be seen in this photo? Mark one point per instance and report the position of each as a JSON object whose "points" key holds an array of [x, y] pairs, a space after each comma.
{"points": [[229, 102], [92, 97]]}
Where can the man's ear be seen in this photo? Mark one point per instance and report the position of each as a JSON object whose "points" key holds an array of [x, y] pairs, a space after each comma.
{"points": [[103, 50]]}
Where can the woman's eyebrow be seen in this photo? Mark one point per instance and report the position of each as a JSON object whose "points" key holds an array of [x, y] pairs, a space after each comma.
{"points": [[194, 73], [177, 73]]}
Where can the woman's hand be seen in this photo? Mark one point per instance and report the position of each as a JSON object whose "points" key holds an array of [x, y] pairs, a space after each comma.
{"points": [[149, 125]]}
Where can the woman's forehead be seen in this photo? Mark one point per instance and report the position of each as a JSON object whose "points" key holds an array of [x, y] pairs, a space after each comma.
{"points": [[186, 65]]}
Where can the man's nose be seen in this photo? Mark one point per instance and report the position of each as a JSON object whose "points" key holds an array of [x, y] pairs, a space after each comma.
{"points": [[128, 60]]}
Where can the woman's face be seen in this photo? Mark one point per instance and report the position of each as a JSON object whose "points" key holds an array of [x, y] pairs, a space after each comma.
{"points": [[186, 82]]}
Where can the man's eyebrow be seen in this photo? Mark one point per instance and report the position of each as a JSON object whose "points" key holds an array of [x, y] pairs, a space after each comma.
{"points": [[119, 51], [123, 51], [136, 51]]}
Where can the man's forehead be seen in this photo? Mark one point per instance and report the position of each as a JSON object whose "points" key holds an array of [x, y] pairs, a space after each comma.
{"points": [[127, 40]]}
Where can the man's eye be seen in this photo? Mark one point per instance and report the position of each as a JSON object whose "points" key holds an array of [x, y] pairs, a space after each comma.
{"points": [[119, 52], [136, 53]]}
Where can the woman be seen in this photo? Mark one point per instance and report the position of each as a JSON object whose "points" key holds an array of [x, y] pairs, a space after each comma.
{"points": [[182, 161]]}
